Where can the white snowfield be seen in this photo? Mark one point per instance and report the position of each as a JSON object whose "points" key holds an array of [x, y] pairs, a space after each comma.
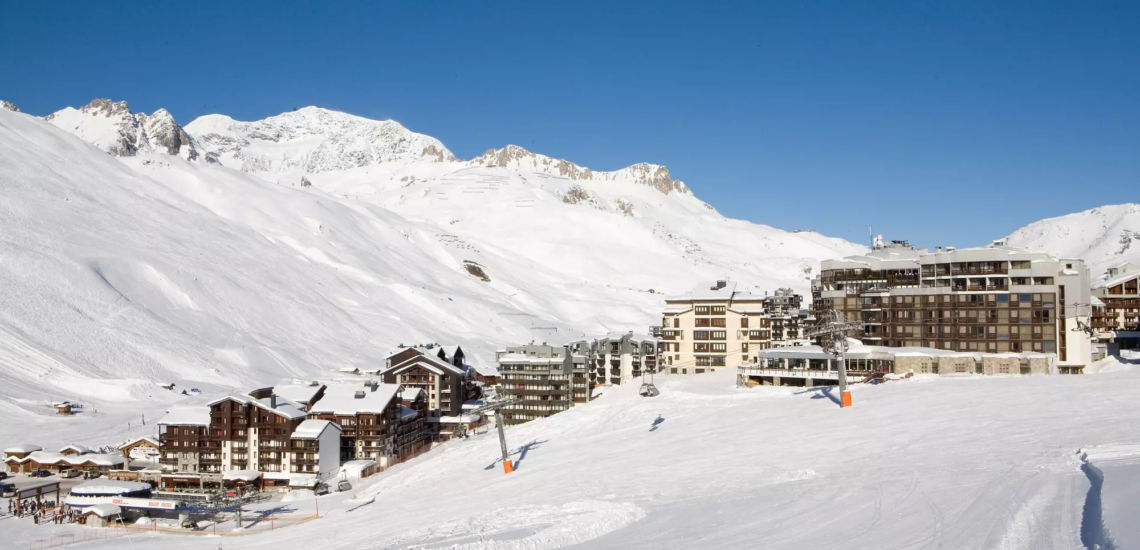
{"points": [[932, 462]]}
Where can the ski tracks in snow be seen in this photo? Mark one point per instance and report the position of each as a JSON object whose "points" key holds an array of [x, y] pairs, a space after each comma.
{"points": [[525, 527]]}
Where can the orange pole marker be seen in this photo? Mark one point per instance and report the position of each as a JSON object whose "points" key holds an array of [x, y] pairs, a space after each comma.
{"points": [[508, 467], [846, 401]]}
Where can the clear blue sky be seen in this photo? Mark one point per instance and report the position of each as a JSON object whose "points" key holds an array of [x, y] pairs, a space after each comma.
{"points": [[940, 122]]}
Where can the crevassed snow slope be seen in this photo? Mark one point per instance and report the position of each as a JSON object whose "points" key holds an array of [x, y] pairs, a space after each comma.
{"points": [[120, 273], [1103, 237], [932, 462]]}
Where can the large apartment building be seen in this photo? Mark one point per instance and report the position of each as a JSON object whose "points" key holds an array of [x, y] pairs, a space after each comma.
{"points": [[787, 317], [541, 377], [241, 432], [993, 299], [620, 357], [265, 432], [446, 380], [712, 328], [548, 379], [1116, 309]]}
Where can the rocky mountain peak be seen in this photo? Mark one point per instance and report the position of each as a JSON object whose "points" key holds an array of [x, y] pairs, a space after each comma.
{"points": [[7, 106], [106, 107], [111, 126], [516, 157], [655, 176]]}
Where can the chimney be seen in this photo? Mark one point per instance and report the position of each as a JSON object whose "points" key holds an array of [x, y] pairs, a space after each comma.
{"points": [[359, 394], [273, 401]]}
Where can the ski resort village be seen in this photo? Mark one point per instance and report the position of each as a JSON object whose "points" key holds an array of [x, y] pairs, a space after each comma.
{"points": [[318, 330]]}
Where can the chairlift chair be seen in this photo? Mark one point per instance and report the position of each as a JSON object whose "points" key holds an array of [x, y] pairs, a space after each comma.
{"points": [[648, 389]]}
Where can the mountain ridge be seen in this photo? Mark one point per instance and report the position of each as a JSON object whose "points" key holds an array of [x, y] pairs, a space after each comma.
{"points": [[114, 128], [1104, 236]]}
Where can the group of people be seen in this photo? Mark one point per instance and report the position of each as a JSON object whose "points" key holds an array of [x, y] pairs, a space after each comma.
{"points": [[40, 511]]}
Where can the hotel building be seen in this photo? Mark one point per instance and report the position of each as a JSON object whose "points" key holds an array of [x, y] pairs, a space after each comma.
{"points": [[993, 299]]}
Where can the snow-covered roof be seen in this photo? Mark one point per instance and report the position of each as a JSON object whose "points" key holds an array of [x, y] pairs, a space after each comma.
{"points": [[532, 359], [299, 393], [186, 416], [1120, 279], [341, 398], [241, 475], [410, 393], [46, 457], [303, 480], [428, 349], [103, 510], [23, 448], [134, 440], [429, 362], [710, 293], [455, 419], [101, 487], [313, 428], [407, 413], [276, 405], [356, 468], [73, 447], [634, 337], [484, 369]]}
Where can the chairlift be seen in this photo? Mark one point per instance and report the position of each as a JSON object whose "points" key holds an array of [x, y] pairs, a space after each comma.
{"points": [[648, 389]]}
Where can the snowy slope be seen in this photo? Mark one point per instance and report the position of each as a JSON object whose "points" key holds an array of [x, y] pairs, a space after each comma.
{"points": [[1104, 236], [967, 462], [529, 204], [119, 273]]}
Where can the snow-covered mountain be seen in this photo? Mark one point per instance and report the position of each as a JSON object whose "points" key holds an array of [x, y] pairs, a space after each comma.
{"points": [[312, 140], [1103, 237], [122, 271], [112, 127]]}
